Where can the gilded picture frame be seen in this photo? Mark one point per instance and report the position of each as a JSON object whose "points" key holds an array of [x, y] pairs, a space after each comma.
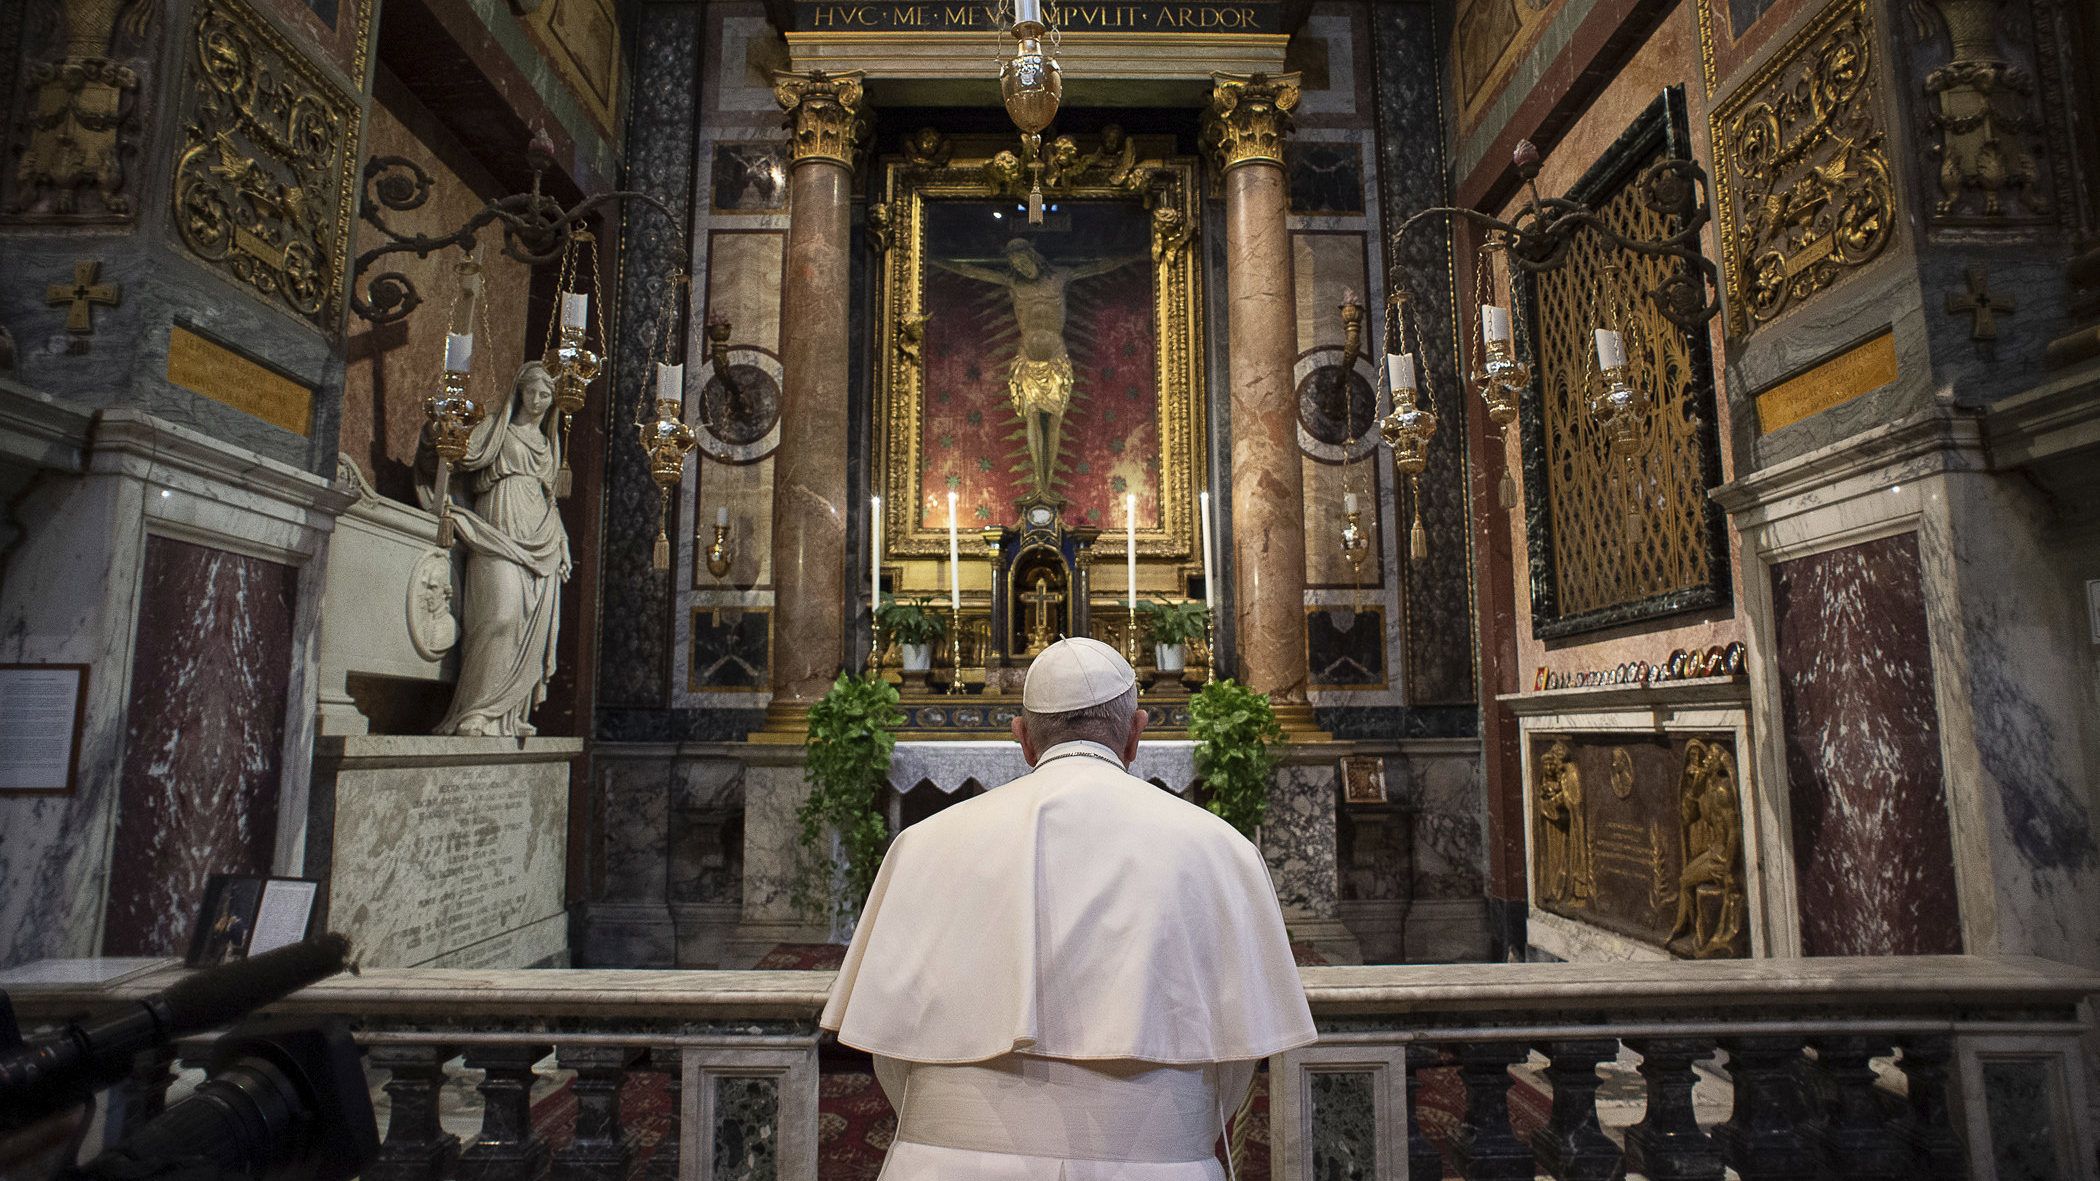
{"points": [[1139, 170]]}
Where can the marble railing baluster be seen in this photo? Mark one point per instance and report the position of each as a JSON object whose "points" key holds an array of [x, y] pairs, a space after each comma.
{"points": [[1484, 1148], [1571, 1147], [417, 1147], [603, 1145], [508, 1148], [1667, 1144], [1766, 1137], [1934, 1145], [1856, 1137], [663, 1163], [1424, 1162]]}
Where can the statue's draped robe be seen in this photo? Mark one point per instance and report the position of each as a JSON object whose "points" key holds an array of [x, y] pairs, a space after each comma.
{"points": [[517, 554]]}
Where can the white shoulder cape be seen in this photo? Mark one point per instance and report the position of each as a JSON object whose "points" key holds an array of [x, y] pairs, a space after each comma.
{"points": [[1077, 912]]}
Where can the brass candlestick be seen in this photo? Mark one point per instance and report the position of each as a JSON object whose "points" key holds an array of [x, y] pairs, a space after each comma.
{"points": [[667, 441], [453, 415], [1410, 427], [571, 360], [719, 553], [955, 664], [1356, 545]]}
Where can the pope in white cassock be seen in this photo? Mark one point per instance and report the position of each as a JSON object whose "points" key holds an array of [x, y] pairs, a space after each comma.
{"points": [[1072, 976]]}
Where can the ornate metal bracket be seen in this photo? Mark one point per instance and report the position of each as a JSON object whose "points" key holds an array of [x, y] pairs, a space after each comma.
{"points": [[534, 226], [1542, 231]]}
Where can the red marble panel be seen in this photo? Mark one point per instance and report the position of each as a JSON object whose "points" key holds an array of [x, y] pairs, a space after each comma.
{"points": [[1873, 855], [204, 737]]}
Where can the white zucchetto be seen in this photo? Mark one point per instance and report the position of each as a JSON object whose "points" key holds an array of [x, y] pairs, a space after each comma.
{"points": [[1073, 674]]}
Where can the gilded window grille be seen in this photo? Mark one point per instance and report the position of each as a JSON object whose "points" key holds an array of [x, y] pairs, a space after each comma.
{"points": [[1625, 534]]}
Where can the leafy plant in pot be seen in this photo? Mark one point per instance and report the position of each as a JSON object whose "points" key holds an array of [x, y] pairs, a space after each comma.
{"points": [[840, 830], [1237, 736], [1169, 626], [915, 626]]}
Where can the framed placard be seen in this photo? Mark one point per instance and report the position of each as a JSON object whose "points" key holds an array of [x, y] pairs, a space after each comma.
{"points": [[249, 914], [42, 710]]}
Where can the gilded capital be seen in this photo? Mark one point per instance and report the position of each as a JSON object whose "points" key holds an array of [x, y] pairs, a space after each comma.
{"points": [[1250, 116], [823, 113]]}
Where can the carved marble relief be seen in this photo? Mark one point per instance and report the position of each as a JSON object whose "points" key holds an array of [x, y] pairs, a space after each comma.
{"points": [[70, 150], [1802, 170], [263, 187], [1642, 834], [1980, 116]]}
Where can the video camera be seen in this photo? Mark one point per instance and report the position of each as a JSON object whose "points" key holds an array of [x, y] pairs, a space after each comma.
{"points": [[283, 1099]]}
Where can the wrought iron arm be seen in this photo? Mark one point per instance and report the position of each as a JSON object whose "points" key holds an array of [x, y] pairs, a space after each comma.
{"points": [[533, 225], [1544, 229]]}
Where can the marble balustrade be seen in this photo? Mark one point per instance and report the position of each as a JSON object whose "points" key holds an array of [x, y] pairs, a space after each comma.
{"points": [[1929, 1066]]}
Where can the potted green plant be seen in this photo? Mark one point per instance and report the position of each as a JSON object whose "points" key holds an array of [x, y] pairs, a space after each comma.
{"points": [[915, 625], [1169, 626], [1237, 736], [841, 831]]}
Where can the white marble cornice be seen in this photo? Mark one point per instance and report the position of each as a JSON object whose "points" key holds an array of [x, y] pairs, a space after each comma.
{"points": [[1932, 441], [40, 431], [2057, 419], [132, 443]]}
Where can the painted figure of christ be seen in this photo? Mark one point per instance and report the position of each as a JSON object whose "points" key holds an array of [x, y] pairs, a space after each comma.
{"points": [[1039, 379]]}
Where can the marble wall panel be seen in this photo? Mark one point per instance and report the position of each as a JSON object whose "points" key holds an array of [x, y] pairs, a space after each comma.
{"points": [[204, 737], [1437, 590], [1873, 858], [744, 270], [746, 490], [1298, 839], [1345, 648], [634, 622], [1444, 795]]}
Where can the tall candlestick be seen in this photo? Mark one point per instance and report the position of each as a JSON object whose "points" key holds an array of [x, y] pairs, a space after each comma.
{"points": [[1400, 371], [1611, 349], [670, 382], [1210, 582], [575, 309], [874, 552], [1130, 542], [954, 560], [1494, 323], [459, 351]]}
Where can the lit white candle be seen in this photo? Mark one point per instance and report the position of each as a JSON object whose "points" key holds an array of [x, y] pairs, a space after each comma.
{"points": [[954, 560], [1210, 582], [670, 382], [1130, 542], [722, 515], [874, 552], [1348, 502], [1400, 371], [459, 351], [1494, 322], [575, 309], [1028, 10], [1611, 349]]}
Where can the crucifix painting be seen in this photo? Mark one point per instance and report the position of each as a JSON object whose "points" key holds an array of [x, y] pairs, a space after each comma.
{"points": [[1041, 362]]}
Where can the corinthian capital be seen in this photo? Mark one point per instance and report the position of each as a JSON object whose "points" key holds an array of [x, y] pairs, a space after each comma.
{"points": [[823, 112], [1250, 114]]}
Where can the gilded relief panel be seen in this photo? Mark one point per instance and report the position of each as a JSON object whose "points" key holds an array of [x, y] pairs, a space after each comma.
{"points": [[263, 187], [1987, 73], [73, 145], [1801, 168], [1642, 834]]}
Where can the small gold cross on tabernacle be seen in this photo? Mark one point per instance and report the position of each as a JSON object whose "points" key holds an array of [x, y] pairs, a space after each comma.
{"points": [[83, 293], [1980, 304]]}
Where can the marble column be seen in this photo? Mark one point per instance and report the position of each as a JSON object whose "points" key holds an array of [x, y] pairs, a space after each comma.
{"points": [[809, 470], [1249, 119]]}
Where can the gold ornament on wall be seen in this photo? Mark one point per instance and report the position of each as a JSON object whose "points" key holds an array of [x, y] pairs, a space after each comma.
{"points": [[1710, 900], [1801, 162], [1981, 118], [79, 115], [262, 188]]}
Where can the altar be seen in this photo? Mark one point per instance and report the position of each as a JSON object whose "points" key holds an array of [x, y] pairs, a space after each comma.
{"points": [[950, 767]]}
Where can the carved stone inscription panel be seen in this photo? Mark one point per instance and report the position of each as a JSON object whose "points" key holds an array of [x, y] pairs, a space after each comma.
{"points": [[1642, 834]]}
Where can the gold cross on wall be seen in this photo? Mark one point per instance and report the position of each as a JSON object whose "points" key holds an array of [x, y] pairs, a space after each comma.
{"points": [[1980, 304], [83, 293]]}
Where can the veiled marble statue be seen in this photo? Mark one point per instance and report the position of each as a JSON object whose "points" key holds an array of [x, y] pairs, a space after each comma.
{"points": [[517, 559]]}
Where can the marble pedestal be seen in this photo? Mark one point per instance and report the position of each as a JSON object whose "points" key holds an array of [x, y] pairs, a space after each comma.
{"points": [[445, 852]]}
